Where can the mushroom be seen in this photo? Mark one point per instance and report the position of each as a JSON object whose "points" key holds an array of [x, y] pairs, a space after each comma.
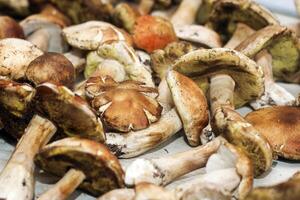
{"points": [[145, 6], [164, 170], [81, 162], [228, 71], [151, 33], [223, 15], [277, 40], [15, 56], [125, 16], [191, 105], [77, 58], [19, 7], [281, 127], [286, 190], [51, 67], [10, 28], [92, 34], [136, 143], [56, 102], [44, 30], [119, 194], [112, 100]]}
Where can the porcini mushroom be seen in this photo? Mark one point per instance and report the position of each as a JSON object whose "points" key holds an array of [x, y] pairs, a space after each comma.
{"points": [[277, 40], [81, 162], [125, 16], [10, 28], [228, 71], [281, 127], [191, 105], [15, 56], [51, 67]]}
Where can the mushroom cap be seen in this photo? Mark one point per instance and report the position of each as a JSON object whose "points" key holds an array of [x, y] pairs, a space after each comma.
{"points": [[202, 63], [281, 127], [51, 67], [282, 44], [151, 33], [145, 191], [10, 28], [69, 111], [55, 15], [119, 194], [226, 13], [15, 56], [90, 35], [102, 169], [113, 100], [191, 105]]}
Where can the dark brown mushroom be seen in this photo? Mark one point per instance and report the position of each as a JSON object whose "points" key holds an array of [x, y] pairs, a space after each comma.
{"points": [[10, 28]]}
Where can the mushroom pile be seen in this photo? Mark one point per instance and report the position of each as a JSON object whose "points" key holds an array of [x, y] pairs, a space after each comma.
{"points": [[92, 92]]}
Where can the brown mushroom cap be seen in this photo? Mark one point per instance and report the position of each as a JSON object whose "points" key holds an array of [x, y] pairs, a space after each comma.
{"points": [[191, 105], [201, 64], [123, 106], [69, 111], [51, 67], [281, 126], [10, 28], [102, 169]]}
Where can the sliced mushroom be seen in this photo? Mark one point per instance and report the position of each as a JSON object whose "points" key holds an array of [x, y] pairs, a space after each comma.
{"points": [[228, 71], [191, 105], [163, 170], [126, 56], [281, 127], [15, 56], [286, 190], [112, 100], [282, 44], [81, 162], [90, 35], [224, 15], [136, 143], [51, 67], [10, 28]]}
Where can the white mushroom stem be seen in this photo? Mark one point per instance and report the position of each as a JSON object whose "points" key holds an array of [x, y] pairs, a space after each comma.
{"points": [[241, 33], [161, 171], [186, 12], [136, 143], [77, 58], [165, 97], [40, 38], [65, 186], [145, 6], [221, 92], [274, 94], [17, 179]]}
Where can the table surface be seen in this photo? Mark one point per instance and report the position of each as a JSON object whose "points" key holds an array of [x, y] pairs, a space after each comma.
{"points": [[281, 170]]}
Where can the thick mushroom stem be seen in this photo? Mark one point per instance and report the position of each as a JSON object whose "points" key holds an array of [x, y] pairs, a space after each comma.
{"points": [[186, 12], [221, 92], [40, 39], [274, 94], [161, 171], [65, 186], [241, 32], [16, 179]]}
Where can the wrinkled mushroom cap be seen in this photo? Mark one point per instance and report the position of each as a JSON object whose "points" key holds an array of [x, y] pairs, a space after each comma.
{"points": [[69, 111], [15, 56], [282, 44], [123, 106], [191, 105], [226, 13], [102, 169], [203, 63], [281, 127], [10, 28], [51, 67], [90, 35]]}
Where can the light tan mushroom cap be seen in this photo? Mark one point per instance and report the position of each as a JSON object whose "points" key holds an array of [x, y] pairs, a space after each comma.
{"points": [[282, 44], [102, 169], [191, 105], [69, 111], [124, 107], [90, 35], [15, 56], [281, 126], [203, 63]]}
